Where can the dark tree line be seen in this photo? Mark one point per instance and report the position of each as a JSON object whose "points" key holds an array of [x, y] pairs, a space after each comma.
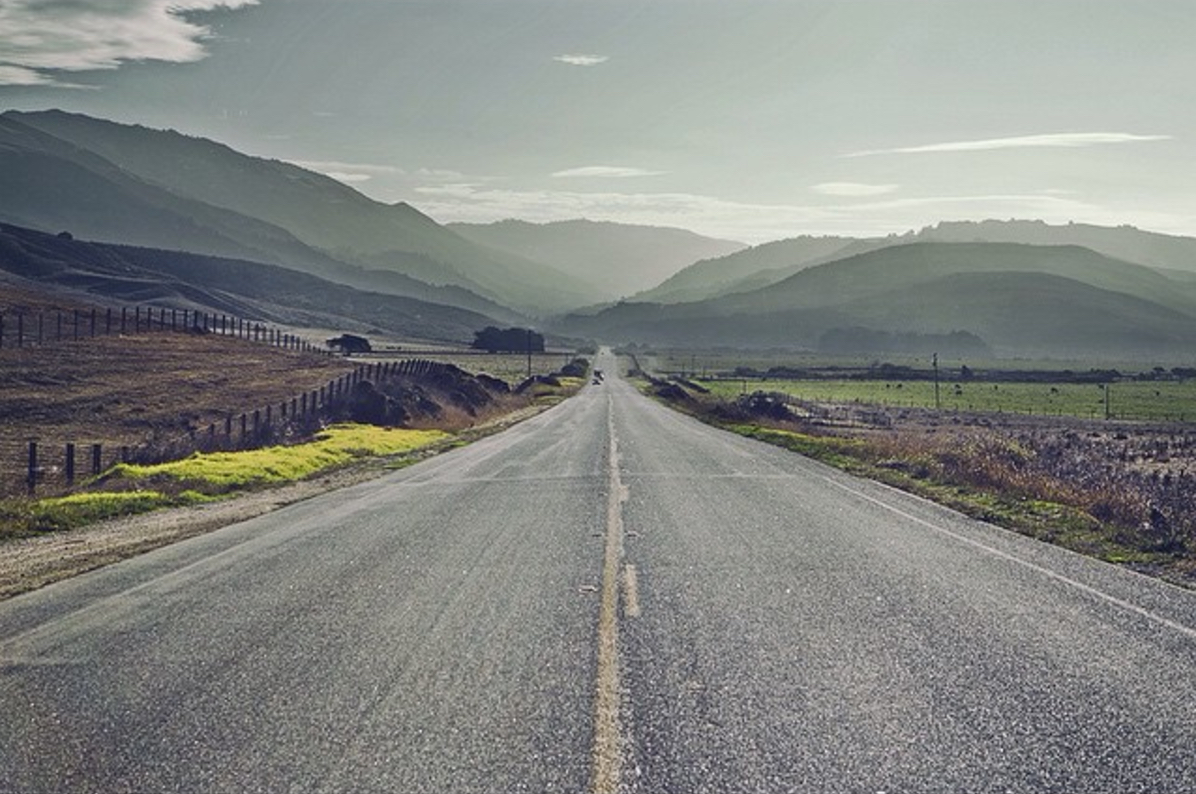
{"points": [[518, 340]]}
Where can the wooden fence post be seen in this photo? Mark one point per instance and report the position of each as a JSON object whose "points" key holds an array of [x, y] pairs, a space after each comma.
{"points": [[70, 463], [97, 454], [31, 480]]}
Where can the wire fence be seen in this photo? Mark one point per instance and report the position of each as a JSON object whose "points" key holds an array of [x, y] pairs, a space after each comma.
{"points": [[53, 467], [20, 329]]}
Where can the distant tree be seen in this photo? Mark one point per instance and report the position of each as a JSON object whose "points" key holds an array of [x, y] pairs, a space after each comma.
{"points": [[517, 340], [350, 343]]}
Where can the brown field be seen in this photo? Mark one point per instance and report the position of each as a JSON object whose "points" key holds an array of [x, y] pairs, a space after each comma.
{"points": [[1121, 491], [115, 391]]}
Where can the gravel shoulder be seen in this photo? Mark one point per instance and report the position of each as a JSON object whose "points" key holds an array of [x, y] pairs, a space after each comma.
{"points": [[31, 563]]}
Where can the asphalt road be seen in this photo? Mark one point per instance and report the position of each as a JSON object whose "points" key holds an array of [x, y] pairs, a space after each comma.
{"points": [[607, 597]]}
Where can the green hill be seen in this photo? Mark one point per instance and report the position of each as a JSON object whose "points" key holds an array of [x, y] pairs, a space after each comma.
{"points": [[771, 263], [903, 266], [1017, 299], [248, 289], [616, 259], [1155, 250], [195, 176], [721, 275]]}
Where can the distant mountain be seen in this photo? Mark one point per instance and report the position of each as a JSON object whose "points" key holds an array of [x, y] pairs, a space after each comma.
{"points": [[615, 259], [771, 263], [1152, 249], [752, 268], [1016, 300], [247, 289], [124, 183]]}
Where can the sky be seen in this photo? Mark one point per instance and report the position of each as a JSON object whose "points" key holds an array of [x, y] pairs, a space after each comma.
{"points": [[749, 120]]}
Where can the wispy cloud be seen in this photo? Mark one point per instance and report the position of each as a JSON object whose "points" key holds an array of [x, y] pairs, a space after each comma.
{"points": [[605, 172], [852, 189], [351, 173], [44, 38], [473, 201], [1062, 140], [578, 59]]}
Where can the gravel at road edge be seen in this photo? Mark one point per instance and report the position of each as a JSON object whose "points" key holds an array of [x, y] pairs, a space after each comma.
{"points": [[30, 563]]}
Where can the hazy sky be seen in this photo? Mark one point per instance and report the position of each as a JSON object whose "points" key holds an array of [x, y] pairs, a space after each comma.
{"points": [[746, 119]]}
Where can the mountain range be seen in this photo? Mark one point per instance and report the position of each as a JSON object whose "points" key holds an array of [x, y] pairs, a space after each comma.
{"points": [[615, 260], [84, 272], [218, 227], [984, 298]]}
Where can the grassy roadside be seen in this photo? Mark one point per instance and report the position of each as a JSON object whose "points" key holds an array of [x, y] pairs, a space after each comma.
{"points": [[984, 475], [129, 489]]}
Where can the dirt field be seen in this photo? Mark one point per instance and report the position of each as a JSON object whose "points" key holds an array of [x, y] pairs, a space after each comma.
{"points": [[115, 391]]}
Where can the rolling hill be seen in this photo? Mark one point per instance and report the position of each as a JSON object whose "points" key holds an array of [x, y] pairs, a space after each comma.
{"points": [[771, 263], [747, 269], [130, 184], [1019, 300], [104, 272], [615, 259]]}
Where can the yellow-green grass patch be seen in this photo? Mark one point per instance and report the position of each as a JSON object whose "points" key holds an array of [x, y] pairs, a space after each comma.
{"points": [[332, 448]]}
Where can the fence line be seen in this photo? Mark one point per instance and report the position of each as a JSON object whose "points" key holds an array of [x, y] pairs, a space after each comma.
{"points": [[297, 415], [21, 330]]}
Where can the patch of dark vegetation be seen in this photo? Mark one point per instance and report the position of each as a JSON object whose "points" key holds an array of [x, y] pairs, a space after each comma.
{"points": [[1125, 493]]}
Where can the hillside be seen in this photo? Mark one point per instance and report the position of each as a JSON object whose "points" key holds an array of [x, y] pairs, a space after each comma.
{"points": [[751, 268], [615, 259], [768, 264], [1017, 299], [1121, 242], [122, 183], [248, 289], [901, 266]]}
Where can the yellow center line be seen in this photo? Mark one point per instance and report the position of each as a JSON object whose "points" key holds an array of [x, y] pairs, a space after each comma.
{"points": [[608, 750]]}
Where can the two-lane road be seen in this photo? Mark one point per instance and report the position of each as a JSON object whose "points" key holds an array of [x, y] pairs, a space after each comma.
{"points": [[607, 596]]}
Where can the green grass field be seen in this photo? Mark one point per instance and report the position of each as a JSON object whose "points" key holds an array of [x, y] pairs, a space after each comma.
{"points": [[1144, 400]]}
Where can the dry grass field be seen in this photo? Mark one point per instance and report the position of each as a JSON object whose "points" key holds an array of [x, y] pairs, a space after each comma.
{"points": [[115, 391]]}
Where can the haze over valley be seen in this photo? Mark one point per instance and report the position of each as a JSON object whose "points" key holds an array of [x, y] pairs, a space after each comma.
{"points": [[990, 289], [575, 166], [597, 396]]}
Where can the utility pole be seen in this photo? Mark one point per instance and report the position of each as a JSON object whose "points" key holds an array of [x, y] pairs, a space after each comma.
{"points": [[529, 352], [935, 363]]}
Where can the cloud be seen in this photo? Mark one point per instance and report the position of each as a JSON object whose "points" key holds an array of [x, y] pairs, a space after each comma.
{"points": [[43, 38], [350, 173], [581, 60], [852, 189], [477, 202], [605, 172], [1063, 140]]}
